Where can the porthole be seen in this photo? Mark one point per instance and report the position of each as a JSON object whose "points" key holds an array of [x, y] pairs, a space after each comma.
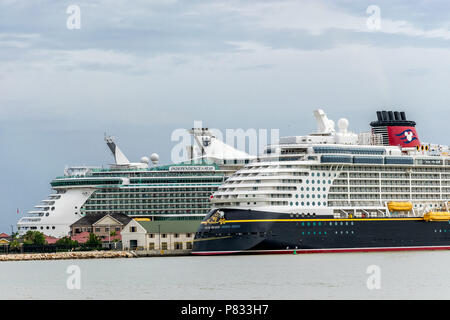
{"points": [[53, 208], [313, 203], [47, 214]]}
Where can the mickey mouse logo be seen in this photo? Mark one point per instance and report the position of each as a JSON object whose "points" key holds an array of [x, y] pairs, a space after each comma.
{"points": [[407, 136]]}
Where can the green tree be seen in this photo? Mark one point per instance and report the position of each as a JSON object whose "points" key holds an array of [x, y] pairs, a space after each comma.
{"points": [[66, 241], [34, 237], [93, 240], [14, 245]]}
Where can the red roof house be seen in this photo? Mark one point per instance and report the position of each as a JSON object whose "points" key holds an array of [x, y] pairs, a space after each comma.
{"points": [[81, 237], [51, 240]]}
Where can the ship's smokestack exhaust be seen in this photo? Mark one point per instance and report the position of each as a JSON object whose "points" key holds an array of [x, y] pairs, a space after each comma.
{"points": [[395, 129]]}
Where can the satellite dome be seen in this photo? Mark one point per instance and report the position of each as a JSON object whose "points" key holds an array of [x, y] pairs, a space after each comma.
{"points": [[145, 160], [155, 158]]}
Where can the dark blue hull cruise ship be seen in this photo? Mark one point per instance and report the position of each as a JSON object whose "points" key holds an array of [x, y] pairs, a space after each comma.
{"points": [[335, 191]]}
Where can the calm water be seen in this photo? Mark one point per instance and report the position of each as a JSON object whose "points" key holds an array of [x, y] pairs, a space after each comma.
{"points": [[407, 275]]}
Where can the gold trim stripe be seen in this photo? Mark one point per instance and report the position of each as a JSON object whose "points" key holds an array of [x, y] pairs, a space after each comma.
{"points": [[216, 238], [314, 220]]}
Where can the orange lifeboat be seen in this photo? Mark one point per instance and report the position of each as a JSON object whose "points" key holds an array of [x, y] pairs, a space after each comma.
{"points": [[399, 206], [436, 216]]}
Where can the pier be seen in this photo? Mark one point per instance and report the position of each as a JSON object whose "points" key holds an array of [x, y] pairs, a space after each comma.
{"points": [[92, 255]]}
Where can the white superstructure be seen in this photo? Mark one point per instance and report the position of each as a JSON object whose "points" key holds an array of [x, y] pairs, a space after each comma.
{"points": [[339, 173], [180, 191]]}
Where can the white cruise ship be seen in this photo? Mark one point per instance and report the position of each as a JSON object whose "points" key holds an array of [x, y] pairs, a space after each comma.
{"points": [[334, 191], [176, 191]]}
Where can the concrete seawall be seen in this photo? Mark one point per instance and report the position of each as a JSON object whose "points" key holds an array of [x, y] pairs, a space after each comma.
{"points": [[91, 255]]}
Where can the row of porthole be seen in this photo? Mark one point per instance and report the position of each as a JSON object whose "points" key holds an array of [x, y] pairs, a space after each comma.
{"points": [[319, 233], [323, 174], [318, 181], [309, 203], [302, 215], [346, 223], [313, 232], [53, 227], [313, 189], [312, 196]]}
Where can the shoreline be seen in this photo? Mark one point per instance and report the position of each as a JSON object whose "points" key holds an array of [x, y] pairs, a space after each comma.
{"points": [[91, 255]]}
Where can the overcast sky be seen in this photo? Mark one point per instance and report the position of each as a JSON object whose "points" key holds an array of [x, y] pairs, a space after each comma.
{"points": [[140, 69]]}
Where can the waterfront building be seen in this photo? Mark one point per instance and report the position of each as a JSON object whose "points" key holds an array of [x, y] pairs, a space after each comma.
{"points": [[159, 235], [4, 239], [101, 224]]}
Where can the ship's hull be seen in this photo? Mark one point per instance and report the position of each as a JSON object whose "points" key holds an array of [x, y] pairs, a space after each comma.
{"points": [[245, 231]]}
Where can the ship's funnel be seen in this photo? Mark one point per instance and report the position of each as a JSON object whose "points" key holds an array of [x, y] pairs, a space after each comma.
{"points": [[395, 129], [119, 157]]}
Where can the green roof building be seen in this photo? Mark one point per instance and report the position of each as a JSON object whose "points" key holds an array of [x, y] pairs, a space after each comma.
{"points": [[143, 234]]}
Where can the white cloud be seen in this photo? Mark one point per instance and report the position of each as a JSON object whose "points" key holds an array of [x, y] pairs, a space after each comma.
{"points": [[316, 18]]}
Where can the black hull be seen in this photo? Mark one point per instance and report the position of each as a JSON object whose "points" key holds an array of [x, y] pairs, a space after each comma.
{"points": [[243, 231]]}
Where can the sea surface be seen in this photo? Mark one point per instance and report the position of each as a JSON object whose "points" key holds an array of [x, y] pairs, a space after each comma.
{"points": [[389, 275]]}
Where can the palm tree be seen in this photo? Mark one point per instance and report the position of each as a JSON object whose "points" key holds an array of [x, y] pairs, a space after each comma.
{"points": [[14, 245], [115, 240]]}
